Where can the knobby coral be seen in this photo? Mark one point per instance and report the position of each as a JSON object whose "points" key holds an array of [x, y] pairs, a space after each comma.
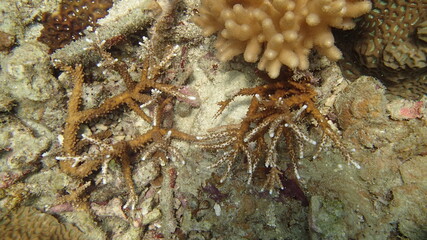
{"points": [[283, 30], [69, 22]]}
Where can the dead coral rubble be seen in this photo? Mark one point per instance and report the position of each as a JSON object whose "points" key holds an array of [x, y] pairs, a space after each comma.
{"points": [[124, 18], [282, 31], [274, 116]]}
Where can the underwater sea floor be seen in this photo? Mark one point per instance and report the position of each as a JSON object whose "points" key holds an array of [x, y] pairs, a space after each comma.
{"points": [[383, 196]]}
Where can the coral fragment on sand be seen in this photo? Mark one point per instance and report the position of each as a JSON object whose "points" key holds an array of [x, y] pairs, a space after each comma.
{"points": [[277, 32], [6, 41]]}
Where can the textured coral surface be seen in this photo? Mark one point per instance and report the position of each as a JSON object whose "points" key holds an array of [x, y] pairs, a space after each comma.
{"points": [[27, 223], [72, 18], [390, 41], [282, 31]]}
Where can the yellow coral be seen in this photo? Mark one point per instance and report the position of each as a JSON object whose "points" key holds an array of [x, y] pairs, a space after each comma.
{"points": [[285, 29]]}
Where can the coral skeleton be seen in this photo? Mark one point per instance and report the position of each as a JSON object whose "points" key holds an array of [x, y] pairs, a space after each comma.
{"points": [[277, 32], [274, 116]]}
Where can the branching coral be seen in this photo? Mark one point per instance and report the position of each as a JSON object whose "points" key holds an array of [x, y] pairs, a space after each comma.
{"points": [[155, 143], [272, 117], [282, 31]]}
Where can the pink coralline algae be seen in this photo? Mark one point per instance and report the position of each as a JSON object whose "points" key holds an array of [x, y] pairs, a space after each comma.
{"points": [[9, 178], [405, 109]]}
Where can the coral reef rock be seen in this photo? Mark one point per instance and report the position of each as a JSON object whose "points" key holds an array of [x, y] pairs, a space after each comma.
{"points": [[286, 30], [26, 73]]}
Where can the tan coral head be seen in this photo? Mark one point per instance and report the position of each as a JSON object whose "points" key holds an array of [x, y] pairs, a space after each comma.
{"points": [[277, 32]]}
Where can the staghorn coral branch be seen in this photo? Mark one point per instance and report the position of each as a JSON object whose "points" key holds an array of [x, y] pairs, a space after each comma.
{"points": [[155, 143]]}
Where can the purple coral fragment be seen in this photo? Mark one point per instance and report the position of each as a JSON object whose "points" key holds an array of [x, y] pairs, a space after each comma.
{"points": [[214, 193], [192, 97]]}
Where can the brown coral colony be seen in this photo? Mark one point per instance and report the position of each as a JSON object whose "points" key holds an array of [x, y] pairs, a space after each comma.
{"points": [[73, 17], [273, 116]]}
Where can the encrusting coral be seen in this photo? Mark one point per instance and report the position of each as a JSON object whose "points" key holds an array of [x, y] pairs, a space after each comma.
{"points": [[69, 22], [282, 31]]}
